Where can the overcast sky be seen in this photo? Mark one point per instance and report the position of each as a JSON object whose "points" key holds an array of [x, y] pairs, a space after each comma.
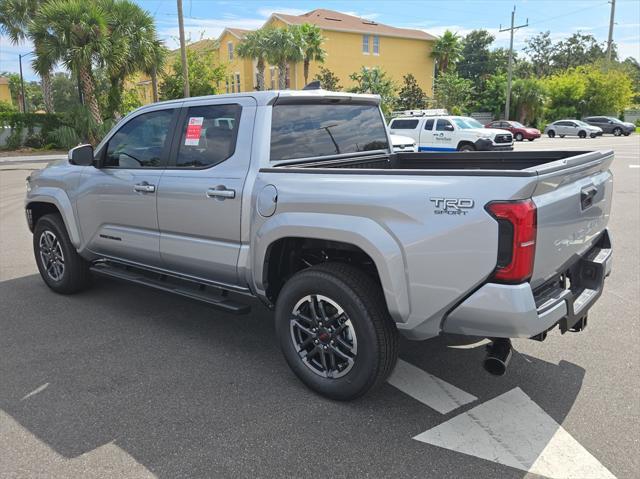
{"points": [[207, 18]]}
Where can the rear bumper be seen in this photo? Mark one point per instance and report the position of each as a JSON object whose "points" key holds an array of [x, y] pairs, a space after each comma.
{"points": [[516, 311]]}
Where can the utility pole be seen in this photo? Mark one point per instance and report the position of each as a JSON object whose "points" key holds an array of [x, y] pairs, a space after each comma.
{"points": [[24, 101], [183, 51], [610, 40], [510, 70]]}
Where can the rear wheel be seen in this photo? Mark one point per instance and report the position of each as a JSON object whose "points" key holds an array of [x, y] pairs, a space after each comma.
{"points": [[60, 266], [519, 137], [530, 139], [335, 331], [466, 147], [617, 131], [551, 134], [582, 134]]}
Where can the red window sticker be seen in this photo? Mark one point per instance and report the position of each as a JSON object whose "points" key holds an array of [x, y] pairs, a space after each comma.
{"points": [[194, 129]]}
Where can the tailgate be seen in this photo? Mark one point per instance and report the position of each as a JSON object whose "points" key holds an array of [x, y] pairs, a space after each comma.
{"points": [[573, 200]]}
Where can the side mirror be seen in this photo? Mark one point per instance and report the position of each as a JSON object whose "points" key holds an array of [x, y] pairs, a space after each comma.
{"points": [[448, 127], [81, 155]]}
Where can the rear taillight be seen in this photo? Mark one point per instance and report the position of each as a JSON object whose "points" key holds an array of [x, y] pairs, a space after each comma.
{"points": [[516, 239]]}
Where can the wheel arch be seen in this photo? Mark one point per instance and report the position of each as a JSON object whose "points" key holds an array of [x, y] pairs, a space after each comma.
{"points": [[361, 240], [52, 200], [462, 143]]}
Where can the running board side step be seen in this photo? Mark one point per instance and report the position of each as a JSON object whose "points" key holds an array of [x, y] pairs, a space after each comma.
{"points": [[218, 298]]}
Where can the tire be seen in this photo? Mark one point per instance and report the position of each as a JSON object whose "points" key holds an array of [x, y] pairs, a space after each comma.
{"points": [[626, 133], [365, 322], [466, 147], [530, 139], [50, 244], [551, 134], [562, 136], [617, 131], [582, 134], [593, 135], [519, 137]]}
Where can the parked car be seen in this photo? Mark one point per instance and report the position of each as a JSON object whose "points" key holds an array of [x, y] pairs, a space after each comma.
{"points": [[609, 124], [577, 128], [517, 129], [450, 133], [303, 205], [403, 144]]}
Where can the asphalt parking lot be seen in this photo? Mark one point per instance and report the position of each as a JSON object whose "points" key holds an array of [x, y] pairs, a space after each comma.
{"points": [[122, 381]]}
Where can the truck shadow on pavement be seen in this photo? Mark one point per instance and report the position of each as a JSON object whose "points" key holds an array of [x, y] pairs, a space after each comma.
{"points": [[190, 391]]}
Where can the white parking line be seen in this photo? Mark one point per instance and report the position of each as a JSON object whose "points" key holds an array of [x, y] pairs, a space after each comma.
{"points": [[428, 389], [634, 166], [35, 391], [513, 430]]}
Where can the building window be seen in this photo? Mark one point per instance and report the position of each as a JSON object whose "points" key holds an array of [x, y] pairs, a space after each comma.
{"points": [[238, 82], [376, 45], [230, 50], [365, 44]]}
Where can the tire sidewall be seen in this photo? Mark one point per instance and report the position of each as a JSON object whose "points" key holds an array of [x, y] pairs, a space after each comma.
{"points": [[46, 223], [519, 137], [617, 132], [551, 134], [366, 362]]}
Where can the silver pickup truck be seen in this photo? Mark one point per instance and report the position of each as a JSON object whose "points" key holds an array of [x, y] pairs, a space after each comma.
{"points": [[296, 198]]}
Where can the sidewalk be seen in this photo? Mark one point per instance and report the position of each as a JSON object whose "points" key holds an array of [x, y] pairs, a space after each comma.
{"points": [[8, 160]]}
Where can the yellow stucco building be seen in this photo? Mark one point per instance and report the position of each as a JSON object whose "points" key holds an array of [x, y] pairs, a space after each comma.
{"points": [[350, 43], [5, 93]]}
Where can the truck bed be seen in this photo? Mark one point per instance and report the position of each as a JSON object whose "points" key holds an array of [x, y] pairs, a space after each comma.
{"points": [[525, 163]]}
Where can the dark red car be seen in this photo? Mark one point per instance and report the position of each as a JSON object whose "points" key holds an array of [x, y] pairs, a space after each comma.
{"points": [[519, 131]]}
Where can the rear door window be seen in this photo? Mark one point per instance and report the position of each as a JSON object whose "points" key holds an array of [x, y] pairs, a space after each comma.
{"points": [[314, 130], [209, 135], [404, 124], [428, 125]]}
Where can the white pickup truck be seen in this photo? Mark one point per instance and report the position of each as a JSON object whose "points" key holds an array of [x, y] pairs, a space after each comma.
{"points": [[450, 133], [296, 198]]}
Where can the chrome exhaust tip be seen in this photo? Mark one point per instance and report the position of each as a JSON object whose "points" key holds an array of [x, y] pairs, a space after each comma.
{"points": [[499, 354]]}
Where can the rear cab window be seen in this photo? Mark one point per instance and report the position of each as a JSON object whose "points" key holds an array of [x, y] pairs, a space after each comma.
{"points": [[428, 125], [314, 130]]}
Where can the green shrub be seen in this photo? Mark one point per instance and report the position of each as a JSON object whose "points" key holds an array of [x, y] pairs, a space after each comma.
{"points": [[18, 122], [64, 137]]}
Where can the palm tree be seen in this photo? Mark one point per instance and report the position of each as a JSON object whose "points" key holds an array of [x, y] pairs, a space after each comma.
{"points": [[255, 45], [133, 46], [528, 99], [15, 22], [283, 48], [76, 33], [311, 38], [447, 51]]}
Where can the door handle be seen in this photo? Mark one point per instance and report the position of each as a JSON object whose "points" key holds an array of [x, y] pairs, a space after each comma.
{"points": [[220, 192], [144, 187]]}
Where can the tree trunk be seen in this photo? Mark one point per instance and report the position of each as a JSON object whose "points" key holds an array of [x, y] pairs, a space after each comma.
{"points": [[306, 71], [282, 75], [47, 92], [154, 83], [89, 94], [260, 74]]}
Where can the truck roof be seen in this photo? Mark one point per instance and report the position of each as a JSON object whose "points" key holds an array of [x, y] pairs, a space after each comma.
{"points": [[269, 97]]}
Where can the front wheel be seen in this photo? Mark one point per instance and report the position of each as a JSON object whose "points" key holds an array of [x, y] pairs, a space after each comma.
{"points": [[60, 266], [593, 135], [467, 147], [617, 131], [582, 134], [335, 331], [551, 134], [519, 137]]}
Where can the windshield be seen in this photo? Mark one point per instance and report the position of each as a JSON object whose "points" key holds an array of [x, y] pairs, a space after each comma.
{"points": [[466, 123], [517, 124], [311, 130], [581, 123]]}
